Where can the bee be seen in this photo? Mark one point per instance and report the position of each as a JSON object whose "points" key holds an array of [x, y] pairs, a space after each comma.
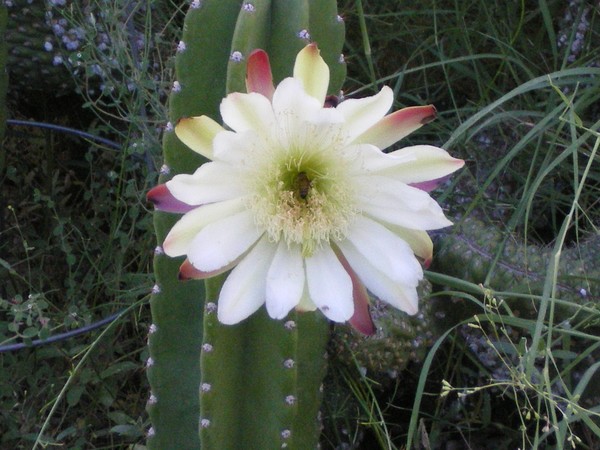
{"points": [[304, 184]]}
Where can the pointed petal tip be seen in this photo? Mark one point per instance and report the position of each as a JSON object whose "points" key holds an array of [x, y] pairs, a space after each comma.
{"points": [[164, 201], [258, 53], [312, 70], [198, 133], [432, 115], [363, 323], [313, 47], [361, 319], [259, 77], [188, 272], [397, 125], [412, 310]]}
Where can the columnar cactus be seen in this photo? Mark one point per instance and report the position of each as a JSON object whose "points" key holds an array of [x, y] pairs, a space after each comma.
{"points": [[469, 252], [254, 385]]}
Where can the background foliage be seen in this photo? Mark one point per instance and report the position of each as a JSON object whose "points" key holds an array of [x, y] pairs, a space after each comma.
{"points": [[76, 236]]}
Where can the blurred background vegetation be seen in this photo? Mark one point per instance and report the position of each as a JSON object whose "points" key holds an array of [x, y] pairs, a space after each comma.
{"points": [[517, 88]]}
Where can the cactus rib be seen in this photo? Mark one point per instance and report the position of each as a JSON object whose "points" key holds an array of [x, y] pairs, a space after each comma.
{"points": [[176, 332]]}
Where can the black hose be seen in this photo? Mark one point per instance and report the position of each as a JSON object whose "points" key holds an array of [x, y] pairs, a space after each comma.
{"points": [[62, 336]]}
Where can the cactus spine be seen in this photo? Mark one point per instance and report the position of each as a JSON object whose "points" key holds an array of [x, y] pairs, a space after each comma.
{"points": [[256, 384]]}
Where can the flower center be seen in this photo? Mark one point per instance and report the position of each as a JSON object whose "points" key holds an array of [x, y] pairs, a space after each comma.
{"points": [[304, 197]]}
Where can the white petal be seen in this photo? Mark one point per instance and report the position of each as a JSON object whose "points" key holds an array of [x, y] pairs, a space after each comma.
{"points": [[373, 160], [247, 112], [223, 241], [385, 251], [361, 114], [302, 122], [237, 149], [420, 163], [244, 290], [212, 182], [419, 241], [404, 298], [290, 100], [285, 280], [329, 285], [180, 238], [388, 200]]}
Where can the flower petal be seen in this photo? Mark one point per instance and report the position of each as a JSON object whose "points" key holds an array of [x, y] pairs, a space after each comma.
{"points": [[374, 160], [421, 163], [300, 118], [223, 241], [402, 297], [329, 285], [198, 133], [418, 240], [361, 319], [285, 280], [163, 200], [430, 185], [237, 148], [397, 125], [361, 114], [312, 70], [182, 234], [212, 182], [293, 106], [258, 74], [385, 251], [188, 272], [244, 112], [244, 289], [305, 304], [389, 200]]}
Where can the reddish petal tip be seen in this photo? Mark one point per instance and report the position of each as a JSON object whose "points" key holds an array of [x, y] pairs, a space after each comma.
{"points": [[431, 117], [258, 74], [163, 200], [189, 272], [362, 322]]}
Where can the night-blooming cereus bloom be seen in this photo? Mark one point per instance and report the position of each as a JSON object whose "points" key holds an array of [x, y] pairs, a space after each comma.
{"points": [[301, 202]]}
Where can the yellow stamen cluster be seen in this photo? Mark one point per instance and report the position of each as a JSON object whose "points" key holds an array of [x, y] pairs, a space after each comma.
{"points": [[305, 201]]}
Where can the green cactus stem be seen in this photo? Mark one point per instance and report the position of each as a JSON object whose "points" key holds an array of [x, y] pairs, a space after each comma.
{"points": [[176, 332], [251, 32], [469, 252], [256, 384]]}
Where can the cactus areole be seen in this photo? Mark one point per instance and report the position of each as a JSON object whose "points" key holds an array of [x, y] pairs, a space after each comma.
{"points": [[301, 203]]}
